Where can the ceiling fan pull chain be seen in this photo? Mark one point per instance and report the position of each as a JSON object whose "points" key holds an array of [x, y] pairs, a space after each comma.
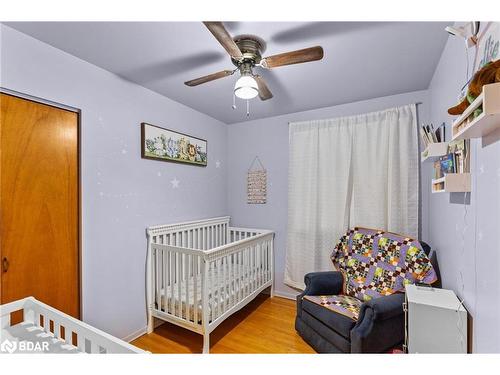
{"points": [[234, 101], [248, 108]]}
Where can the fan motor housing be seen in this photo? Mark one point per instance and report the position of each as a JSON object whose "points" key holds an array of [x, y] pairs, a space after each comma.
{"points": [[251, 47]]}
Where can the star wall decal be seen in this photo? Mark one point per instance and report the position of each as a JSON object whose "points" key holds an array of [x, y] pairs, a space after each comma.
{"points": [[175, 183]]}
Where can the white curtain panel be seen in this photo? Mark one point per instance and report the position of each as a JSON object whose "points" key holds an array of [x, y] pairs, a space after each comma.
{"points": [[345, 172]]}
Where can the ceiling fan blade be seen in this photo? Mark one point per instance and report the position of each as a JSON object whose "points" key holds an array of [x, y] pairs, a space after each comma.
{"points": [[264, 92], [210, 77], [224, 38], [293, 57]]}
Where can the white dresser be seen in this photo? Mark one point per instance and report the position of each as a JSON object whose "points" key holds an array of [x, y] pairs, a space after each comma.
{"points": [[435, 321]]}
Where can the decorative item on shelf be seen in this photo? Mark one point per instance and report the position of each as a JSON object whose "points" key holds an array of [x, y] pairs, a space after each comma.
{"points": [[489, 73], [473, 125], [168, 145], [256, 183]]}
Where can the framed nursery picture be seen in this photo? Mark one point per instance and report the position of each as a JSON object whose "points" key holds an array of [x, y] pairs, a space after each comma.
{"points": [[488, 45], [168, 145]]}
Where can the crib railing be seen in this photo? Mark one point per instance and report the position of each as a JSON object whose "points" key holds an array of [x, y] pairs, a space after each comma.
{"points": [[64, 328], [200, 234], [202, 272]]}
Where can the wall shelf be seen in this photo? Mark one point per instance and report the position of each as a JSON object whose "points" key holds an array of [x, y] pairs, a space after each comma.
{"points": [[465, 128], [452, 183], [433, 151]]}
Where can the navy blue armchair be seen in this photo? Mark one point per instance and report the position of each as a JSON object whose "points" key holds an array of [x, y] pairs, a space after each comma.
{"points": [[380, 325]]}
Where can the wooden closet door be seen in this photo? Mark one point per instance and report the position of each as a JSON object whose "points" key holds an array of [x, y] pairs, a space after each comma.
{"points": [[39, 202]]}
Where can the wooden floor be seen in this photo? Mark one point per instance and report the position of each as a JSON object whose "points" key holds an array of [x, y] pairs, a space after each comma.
{"points": [[265, 325]]}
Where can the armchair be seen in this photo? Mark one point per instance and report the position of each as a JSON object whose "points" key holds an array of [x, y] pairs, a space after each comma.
{"points": [[371, 326]]}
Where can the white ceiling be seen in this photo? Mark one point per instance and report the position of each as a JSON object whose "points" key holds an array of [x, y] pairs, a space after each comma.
{"points": [[362, 60]]}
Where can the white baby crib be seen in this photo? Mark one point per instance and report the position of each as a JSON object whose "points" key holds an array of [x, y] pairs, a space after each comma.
{"points": [[198, 273], [45, 329]]}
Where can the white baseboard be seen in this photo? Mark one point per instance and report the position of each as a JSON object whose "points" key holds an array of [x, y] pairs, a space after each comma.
{"points": [[135, 334], [285, 295], [142, 331]]}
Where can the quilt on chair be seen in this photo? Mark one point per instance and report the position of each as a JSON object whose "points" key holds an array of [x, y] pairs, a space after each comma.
{"points": [[374, 263], [342, 304]]}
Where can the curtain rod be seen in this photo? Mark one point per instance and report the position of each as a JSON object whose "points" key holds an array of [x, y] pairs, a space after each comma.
{"points": [[417, 103]]}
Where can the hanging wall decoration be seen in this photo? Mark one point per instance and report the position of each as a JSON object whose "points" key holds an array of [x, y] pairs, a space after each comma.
{"points": [[256, 183], [168, 145], [488, 45]]}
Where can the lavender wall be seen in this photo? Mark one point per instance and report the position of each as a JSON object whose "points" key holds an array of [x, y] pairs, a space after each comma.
{"points": [[122, 193], [268, 138], [466, 236]]}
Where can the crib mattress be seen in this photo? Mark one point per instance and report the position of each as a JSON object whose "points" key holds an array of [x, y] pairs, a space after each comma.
{"points": [[236, 280], [34, 339]]}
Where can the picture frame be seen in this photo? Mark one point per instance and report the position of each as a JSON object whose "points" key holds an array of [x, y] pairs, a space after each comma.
{"points": [[488, 45], [163, 144]]}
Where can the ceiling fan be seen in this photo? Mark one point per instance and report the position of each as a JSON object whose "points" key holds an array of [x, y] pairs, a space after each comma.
{"points": [[245, 52]]}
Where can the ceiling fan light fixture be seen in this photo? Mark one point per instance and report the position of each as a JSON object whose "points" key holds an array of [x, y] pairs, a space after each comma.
{"points": [[246, 87]]}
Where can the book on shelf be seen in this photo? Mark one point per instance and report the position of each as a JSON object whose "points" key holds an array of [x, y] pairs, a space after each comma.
{"points": [[431, 135], [438, 173], [460, 151], [447, 163], [456, 161]]}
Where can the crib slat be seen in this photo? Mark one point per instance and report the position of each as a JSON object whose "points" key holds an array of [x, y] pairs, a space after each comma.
{"points": [[241, 270], [179, 285], [68, 336], [254, 267], [232, 280], [80, 342], [247, 270], [217, 287], [266, 249], [195, 289], [166, 274], [250, 269], [261, 264], [255, 251], [173, 256], [187, 277], [212, 236], [57, 330], [225, 284], [257, 265], [94, 348], [157, 279], [213, 283]]}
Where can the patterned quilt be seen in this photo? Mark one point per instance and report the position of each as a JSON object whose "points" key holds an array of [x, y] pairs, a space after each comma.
{"points": [[345, 305], [377, 263]]}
